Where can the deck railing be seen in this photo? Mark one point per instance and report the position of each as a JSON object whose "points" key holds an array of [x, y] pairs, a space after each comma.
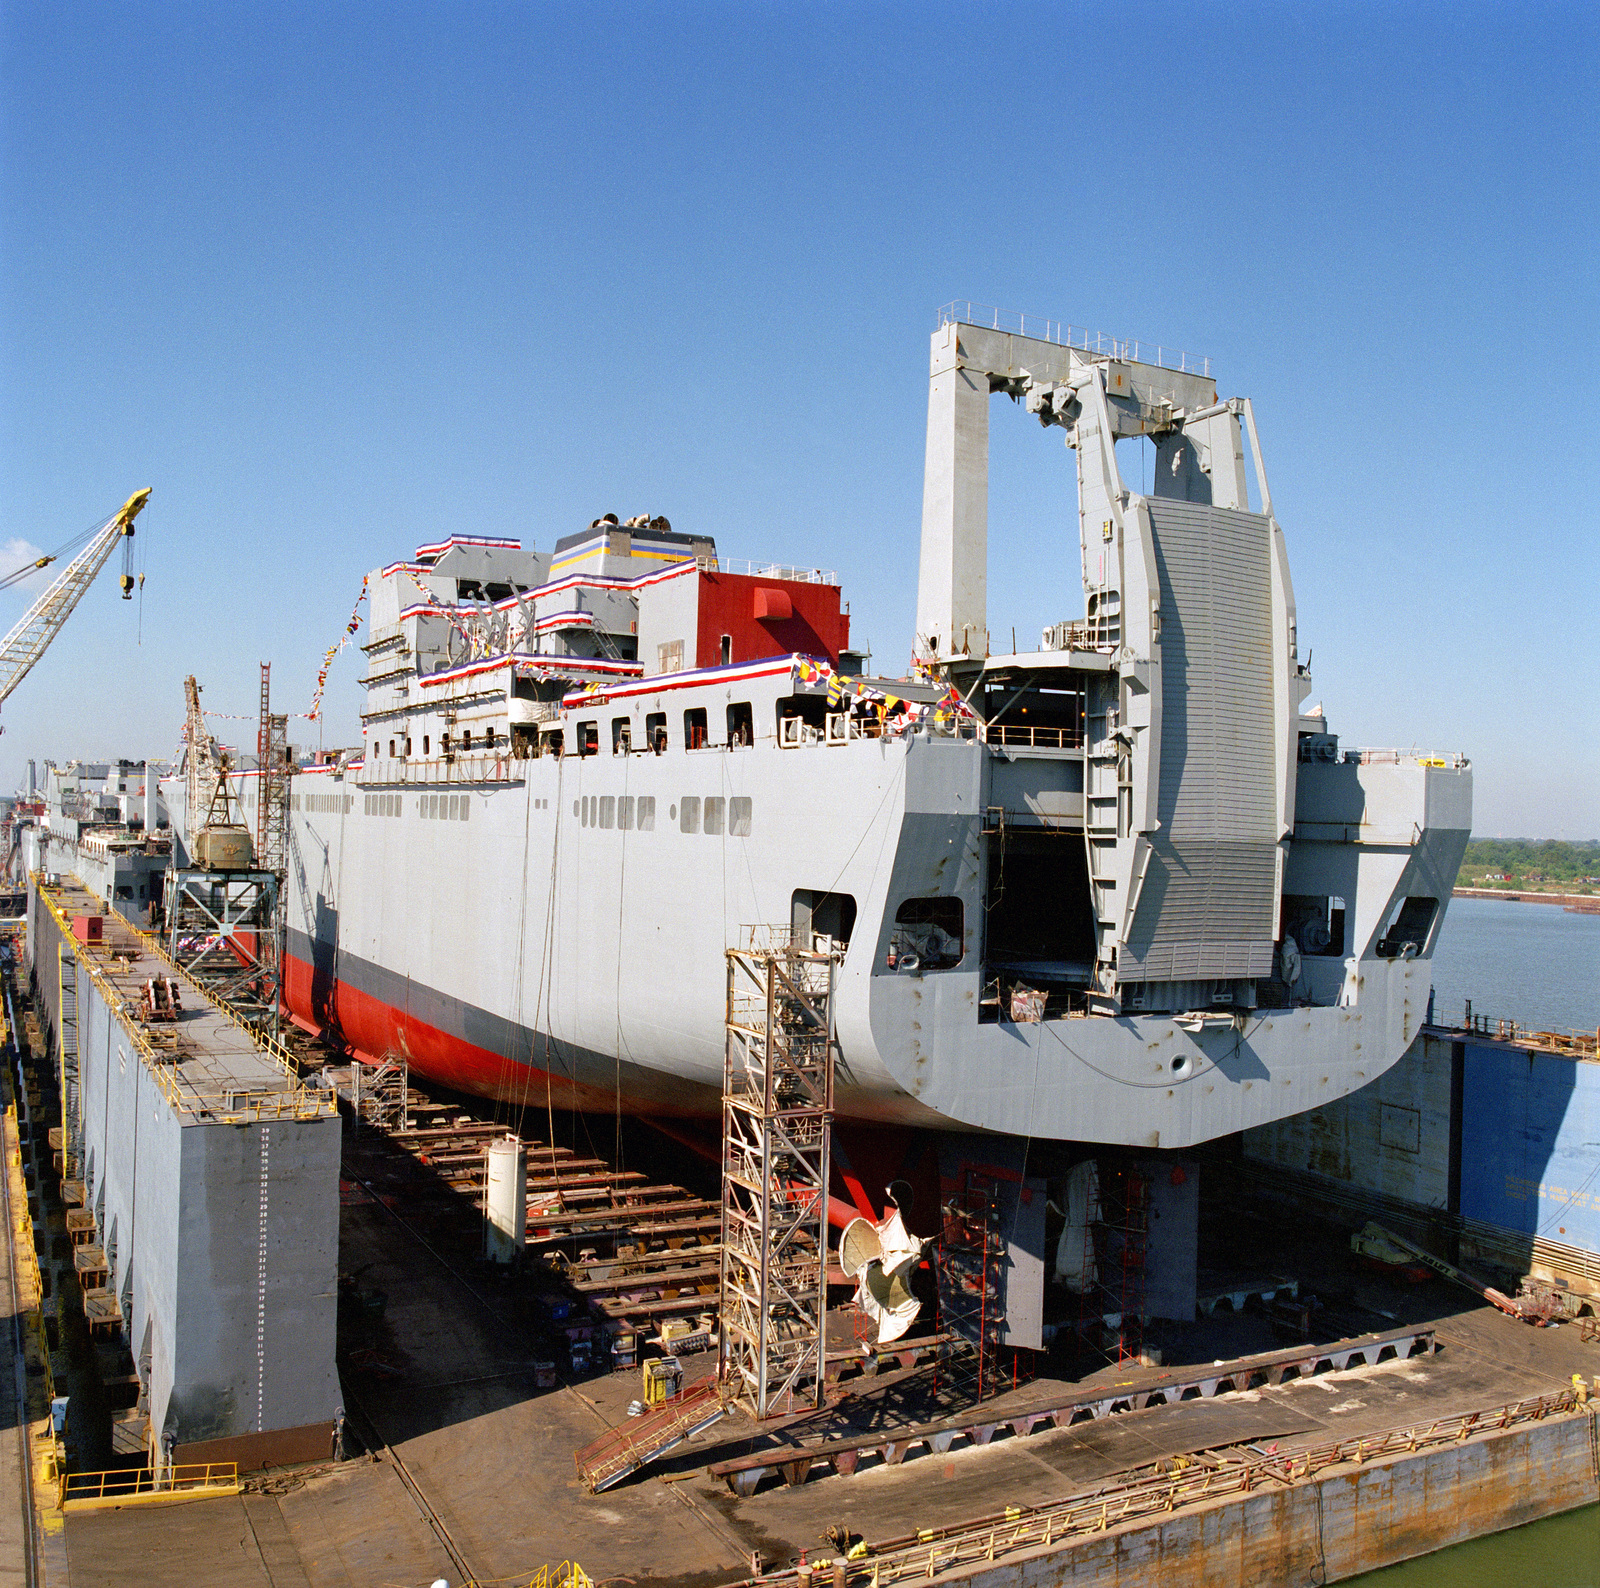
{"points": [[1025, 737], [222, 1104], [766, 570], [989, 318]]}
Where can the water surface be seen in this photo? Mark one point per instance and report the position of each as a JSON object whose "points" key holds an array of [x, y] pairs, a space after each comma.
{"points": [[1532, 963], [1560, 1552]]}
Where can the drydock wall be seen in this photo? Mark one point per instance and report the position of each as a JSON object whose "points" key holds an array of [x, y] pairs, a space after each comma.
{"points": [[1500, 1140], [222, 1241], [1335, 1527]]}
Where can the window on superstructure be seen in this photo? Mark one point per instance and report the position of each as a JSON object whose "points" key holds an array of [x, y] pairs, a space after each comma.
{"points": [[727, 650], [625, 813], [694, 728], [655, 731], [714, 809], [408, 744], [466, 741], [608, 810], [739, 818], [689, 815], [741, 725], [391, 749], [588, 738], [621, 735], [647, 813], [424, 744]]}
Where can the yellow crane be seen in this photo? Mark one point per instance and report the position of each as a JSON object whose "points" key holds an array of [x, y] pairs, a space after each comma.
{"points": [[31, 637]]}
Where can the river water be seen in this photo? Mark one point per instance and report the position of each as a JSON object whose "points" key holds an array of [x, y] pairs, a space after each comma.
{"points": [[1539, 966], [1532, 963]]}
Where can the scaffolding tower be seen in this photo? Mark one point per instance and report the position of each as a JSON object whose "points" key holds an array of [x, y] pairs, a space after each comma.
{"points": [[272, 761], [1114, 1309], [272, 838], [777, 1111], [970, 1260]]}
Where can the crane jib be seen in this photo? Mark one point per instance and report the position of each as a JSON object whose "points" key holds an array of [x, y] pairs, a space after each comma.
{"points": [[32, 634]]}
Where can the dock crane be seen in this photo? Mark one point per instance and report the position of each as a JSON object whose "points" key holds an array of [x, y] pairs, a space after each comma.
{"points": [[31, 637]]}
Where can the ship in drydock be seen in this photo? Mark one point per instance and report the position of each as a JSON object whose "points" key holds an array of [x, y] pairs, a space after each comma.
{"points": [[1122, 887]]}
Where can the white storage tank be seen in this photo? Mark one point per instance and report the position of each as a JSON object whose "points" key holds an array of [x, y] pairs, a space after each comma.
{"points": [[505, 1227]]}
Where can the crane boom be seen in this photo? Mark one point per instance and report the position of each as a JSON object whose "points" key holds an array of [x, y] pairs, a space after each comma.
{"points": [[200, 761], [31, 637]]}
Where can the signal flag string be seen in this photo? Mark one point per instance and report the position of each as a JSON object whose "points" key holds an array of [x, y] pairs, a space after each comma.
{"points": [[351, 629]]}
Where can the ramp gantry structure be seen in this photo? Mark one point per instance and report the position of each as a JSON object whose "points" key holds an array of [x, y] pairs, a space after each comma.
{"points": [[777, 1111], [224, 922]]}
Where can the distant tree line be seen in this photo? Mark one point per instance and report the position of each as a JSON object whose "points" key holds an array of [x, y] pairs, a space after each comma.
{"points": [[1532, 859]]}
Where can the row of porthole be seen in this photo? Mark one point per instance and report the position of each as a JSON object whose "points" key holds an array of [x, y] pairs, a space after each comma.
{"points": [[440, 807], [714, 814]]}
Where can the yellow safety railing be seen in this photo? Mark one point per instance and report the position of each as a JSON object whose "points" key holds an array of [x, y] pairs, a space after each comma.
{"points": [[31, 1280], [270, 1046], [87, 1491], [230, 1105], [569, 1574]]}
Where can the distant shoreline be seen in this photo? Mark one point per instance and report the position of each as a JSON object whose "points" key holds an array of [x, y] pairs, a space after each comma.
{"points": [[1587, 901]]}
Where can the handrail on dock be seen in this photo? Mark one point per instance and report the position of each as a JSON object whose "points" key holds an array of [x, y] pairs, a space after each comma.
{"points": [[89, 1491], [224, 1105]]}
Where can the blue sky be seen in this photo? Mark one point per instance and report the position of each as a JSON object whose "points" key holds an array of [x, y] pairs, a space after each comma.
{"points": [[335, 279]]}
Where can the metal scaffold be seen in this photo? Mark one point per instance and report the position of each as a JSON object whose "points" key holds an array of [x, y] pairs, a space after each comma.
{"points": [[275, 768], [971, 1261], [272, 760], [777, 1110]]}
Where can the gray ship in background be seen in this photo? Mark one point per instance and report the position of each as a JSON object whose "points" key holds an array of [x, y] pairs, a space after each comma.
{"points": [[1120, 888]]}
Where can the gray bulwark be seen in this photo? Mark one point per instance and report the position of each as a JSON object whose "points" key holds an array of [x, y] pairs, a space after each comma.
{"points": [[214, 1178], [1207, 908]]}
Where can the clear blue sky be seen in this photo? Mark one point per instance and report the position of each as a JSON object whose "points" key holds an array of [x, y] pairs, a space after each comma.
{"points": [[338, 278]]}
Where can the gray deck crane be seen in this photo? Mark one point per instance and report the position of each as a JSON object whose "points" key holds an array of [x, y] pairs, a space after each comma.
{"points": [[31, 637]]}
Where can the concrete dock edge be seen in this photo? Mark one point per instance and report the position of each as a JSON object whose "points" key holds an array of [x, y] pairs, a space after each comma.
{"points": [[1344, 1522]]}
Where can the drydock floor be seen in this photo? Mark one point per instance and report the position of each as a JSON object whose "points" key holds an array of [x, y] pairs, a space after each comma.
{"points": [[473, 1473]]}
